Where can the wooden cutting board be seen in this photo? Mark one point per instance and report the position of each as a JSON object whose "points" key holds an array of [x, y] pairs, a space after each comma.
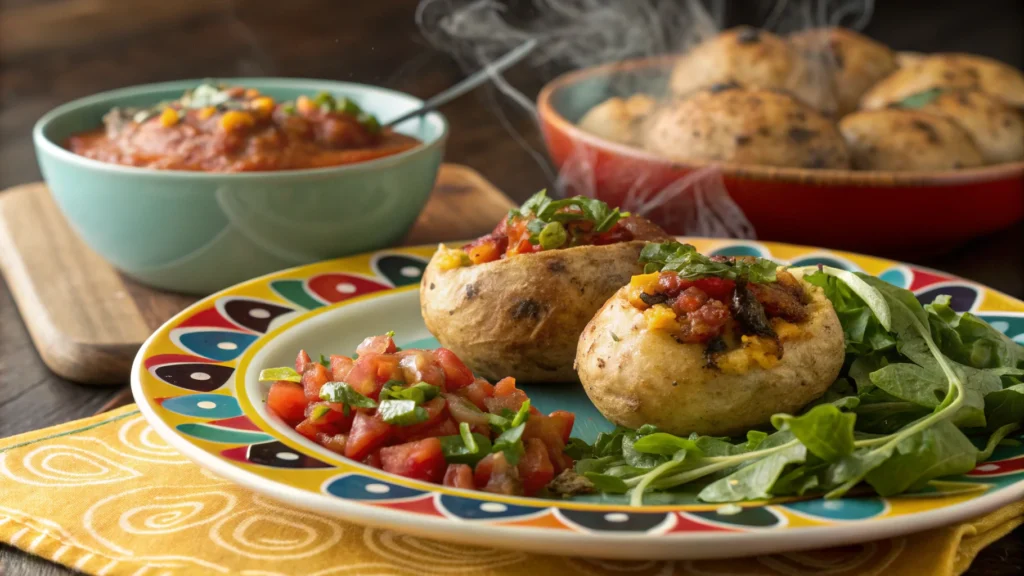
{"points": [[87, 320]]}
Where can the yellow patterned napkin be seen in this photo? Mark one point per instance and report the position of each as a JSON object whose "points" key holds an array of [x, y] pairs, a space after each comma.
{"points": [[106, 495]]}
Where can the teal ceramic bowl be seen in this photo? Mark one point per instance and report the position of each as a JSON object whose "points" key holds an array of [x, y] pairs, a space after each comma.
{"points": [[198, 232]]}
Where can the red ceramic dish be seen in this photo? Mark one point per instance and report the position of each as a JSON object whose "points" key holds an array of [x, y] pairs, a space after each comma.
{"points": [[869, 211]]}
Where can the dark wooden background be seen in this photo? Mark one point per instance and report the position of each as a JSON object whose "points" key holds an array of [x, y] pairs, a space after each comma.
{"points": [[52, 51]]}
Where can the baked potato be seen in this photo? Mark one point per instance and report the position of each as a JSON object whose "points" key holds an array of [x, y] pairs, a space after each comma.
{"points": [[619, 119], [750, 58], [849, 62], [900, 139], [948, 71], [708, 354], [513, 303], [729, 124]]}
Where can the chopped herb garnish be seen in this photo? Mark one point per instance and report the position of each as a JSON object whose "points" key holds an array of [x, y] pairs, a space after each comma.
{"points": [[545, 211], [283, 373], [511, 443], [690, 264], [522, 414], [402, 412], [418, 393], [342, 393], [318, 412], [325, 361], [465, 448]]}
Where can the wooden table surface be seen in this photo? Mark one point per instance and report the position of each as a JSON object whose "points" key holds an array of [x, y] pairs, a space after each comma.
{"points": [[93, 45]]}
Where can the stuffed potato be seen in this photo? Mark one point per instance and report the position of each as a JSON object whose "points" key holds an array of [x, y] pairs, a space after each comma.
{"points": [[514, 302], [712, 346]]}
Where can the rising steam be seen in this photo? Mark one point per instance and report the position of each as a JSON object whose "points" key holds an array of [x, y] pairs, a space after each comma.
{"points": [[572, 34]]}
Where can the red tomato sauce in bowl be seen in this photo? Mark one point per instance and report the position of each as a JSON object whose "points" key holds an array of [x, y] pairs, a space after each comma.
{"points": [[234, 129]]}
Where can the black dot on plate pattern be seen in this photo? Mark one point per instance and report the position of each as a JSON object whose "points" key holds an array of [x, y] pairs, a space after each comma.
{"points": [[196, 377], [961, 298], [615, 521], [278, 455], [253, 314], [401, 270]]}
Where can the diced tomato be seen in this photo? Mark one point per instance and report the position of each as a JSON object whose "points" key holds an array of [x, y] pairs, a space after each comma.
{"points": [[335, 416], [302, 362], [459, 476], [564, 421], [383, 344], [689, 300], [368, 433], [370, 372], [421, 366], [506, 397], [477, 392], [373, 459], [535, 467], [334, 443], [617, 233], [495, 474], [422, 460], [313, 379], [462, 410], [437, 412], [549, 431], [340, 367], [717, 288], [456, 374], [288, 401], [307, 429], [505, 387]]}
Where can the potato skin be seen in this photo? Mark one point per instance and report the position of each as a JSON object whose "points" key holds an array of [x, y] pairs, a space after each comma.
{"points": [[522, 316], [639, 376]]}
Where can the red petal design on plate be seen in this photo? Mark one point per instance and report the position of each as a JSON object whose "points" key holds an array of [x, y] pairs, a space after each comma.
{"points": [[424, 505], [998, 468], [209, 318], [161, 359], [337, 287], [239, 454], [686, 523], [236, 423], [922, 279]]}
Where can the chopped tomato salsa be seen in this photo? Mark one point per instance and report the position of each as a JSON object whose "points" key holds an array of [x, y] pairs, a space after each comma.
{"points": [[422, 414], [544, 224], [234, 129]]}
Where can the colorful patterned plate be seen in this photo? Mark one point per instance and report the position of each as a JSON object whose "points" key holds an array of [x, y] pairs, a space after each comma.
{"points": [[195, 380]]}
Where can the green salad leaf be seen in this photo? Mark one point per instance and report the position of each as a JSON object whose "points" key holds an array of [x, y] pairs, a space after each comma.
{"points": [[684, 260]]}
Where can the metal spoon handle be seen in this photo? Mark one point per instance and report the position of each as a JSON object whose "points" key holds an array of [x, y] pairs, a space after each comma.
{"points": [[471, 82]]}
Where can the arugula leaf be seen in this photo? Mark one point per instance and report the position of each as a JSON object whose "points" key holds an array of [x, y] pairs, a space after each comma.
{"points": [[578, 449], [284, 373], [970, 340], [1005, 407], [754, 481], [996, 439], [940, 450], [342, 393], [824, 430], [402, 412], [664, 444], [418, 393], [684, 260], [606, 483], [636, 458], [863, 330]]}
